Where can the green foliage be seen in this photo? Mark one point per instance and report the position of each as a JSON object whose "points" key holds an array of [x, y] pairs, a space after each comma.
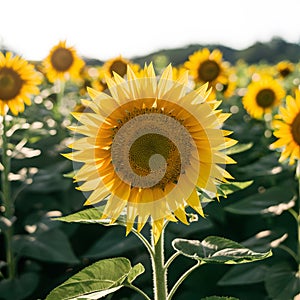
{"points": [[101, 278], [215, 249]]}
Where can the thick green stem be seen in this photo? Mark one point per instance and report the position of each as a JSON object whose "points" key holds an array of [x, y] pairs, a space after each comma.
{"points": [[159, 273], [8, 204]]}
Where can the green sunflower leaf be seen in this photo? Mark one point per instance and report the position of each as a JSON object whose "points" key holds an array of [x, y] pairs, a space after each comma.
{"points": [[97, 280], [244, 274], [217, 250], [91, 216], [135, 272], [282, 282], [51, 246], [19, 288], [272, 201]]}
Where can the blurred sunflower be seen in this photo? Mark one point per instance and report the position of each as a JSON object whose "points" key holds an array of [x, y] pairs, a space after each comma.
{"points": [[287, 129], [18, 79], [206, 66], [148, 146], [62, 63], [262, 96], [119, 65], [285, 68]]}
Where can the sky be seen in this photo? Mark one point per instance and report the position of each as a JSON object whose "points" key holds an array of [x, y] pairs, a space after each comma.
{"points": [[104, 29]]}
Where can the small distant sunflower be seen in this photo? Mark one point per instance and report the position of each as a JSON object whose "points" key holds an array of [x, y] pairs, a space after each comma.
{"points": [[287, 129], [285, 68], [262, 96], [18, 80], [118, 65], [206, 66], [62, 63], [148, 145]]}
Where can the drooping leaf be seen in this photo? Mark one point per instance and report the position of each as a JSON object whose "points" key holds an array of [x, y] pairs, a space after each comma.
{"points": [[282, 282], [103, 277], [91, 216], [20, 287], [218, 250], [135, 272], [52, 245], [244, 274], [273, 200]]}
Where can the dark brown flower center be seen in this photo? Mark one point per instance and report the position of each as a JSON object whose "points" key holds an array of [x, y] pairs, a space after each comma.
{"points": [[209, 70], [10, 83], [285, 72], [118, 67], [150, 152], [296, 129], [62, 59], [265, 98]]}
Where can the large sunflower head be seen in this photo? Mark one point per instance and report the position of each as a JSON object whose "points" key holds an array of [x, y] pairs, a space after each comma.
{"points": [[62, 63], [263, 96], [206, 66], [287, 129], [148, 147], [18, 80]]}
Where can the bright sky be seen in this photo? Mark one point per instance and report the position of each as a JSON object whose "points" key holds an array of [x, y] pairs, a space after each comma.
{"points": [[106, 28]]}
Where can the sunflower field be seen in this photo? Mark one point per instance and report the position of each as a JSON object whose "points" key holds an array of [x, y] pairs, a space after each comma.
{"points": [[123, 180]]}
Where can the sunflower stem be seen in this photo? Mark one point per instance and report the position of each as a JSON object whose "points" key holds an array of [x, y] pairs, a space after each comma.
{"points": [[145, 242], [8, 204], [298, 221], [159, 274]]}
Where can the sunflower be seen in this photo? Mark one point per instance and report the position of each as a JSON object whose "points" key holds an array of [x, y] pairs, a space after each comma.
{"points": [[206, 66], [148, 147], [18, 79], [119, 65], [285, 68], [287, 129], [62, 63], [262, 96]]}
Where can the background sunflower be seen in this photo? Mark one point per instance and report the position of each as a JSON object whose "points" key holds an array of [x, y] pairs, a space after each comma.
{"points": [[287, 129], [18, 80], [262, 96], [62, 63]]}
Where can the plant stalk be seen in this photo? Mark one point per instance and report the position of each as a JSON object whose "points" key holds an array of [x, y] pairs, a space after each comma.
{"points": [[7, 202], [159, 274]]}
